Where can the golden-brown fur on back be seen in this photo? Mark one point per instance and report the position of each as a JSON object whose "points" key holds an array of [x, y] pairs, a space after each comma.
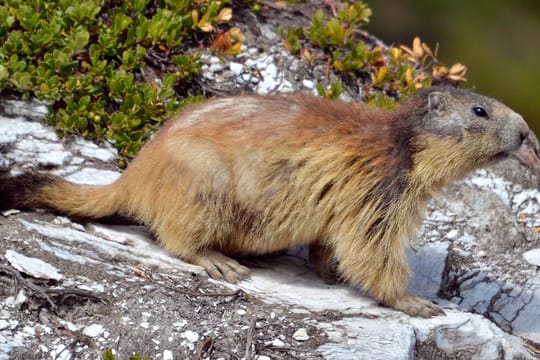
{"points": [[253, 174]]}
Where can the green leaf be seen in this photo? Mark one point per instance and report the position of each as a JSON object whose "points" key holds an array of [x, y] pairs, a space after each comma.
{"points": [[21, 80], [83, 103], [4, 73], [108, 355], [81, 39]]}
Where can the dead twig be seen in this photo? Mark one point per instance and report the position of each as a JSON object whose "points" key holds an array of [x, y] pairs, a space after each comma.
{"points": [[205, 348], [327, 72], [249, 338], [78, 337], [332, 5], [533, 348], [284, 348], [236, 293], [74, 292]]}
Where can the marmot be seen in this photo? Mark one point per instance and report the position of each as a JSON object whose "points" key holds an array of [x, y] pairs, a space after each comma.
{"points": [[256, 174]]}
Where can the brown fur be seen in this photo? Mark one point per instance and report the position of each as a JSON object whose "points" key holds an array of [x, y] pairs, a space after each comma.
{"points": [[252, 175]]}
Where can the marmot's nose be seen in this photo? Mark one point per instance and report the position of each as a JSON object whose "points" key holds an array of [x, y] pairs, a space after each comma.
{"points": [[521, 126], [524, 134]]}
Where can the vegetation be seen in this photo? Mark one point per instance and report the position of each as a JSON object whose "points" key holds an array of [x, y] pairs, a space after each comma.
{"points": [[337, 40], [94, 61], [499, 42], [109, 355]]}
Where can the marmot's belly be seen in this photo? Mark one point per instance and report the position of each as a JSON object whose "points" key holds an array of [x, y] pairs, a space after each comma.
{"points": [[251, 244]]}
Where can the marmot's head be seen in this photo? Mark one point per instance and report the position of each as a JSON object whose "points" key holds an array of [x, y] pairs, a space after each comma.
{"points": [[458, 131], [489, 128], [470, 116]]}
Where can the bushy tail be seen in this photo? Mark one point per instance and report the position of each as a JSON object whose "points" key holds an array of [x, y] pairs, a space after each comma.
{"points": [[38, 190]]}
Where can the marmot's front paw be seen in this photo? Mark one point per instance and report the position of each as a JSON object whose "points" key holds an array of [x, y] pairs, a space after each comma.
{"points": [[416, 306], [221, 267]]}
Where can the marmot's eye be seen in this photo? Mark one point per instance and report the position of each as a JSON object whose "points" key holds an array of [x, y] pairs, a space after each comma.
{"points": [[480, 111]]}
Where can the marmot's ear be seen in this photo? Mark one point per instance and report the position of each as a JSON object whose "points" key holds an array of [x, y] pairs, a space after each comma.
{"points": [[437, 120], [437, 101]]}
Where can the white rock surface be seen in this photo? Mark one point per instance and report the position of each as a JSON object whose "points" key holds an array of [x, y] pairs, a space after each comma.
{"points": [[105, 153], [190, 336], [93, 330], [236, 68], [168, 355], [368, 339], [532, 257], [33, 266], [301, 335], [91, 176]]}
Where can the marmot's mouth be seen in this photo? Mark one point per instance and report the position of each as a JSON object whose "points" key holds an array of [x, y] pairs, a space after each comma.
{"points": [[529, 153], [501, 155]]}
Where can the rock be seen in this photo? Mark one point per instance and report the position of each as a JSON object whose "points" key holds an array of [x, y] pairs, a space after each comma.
{"points": [[452, 234], [470, 336], [20, 298], [369, 339], [93, 330], [216, 67], [11, 129], [61, 352], [301, 335], [105, 153], [308, 84], [190, 336], [33, 266], [532, 257], [94, 176], [236, 68], [10, 212], [277, 343], [428, 265]]}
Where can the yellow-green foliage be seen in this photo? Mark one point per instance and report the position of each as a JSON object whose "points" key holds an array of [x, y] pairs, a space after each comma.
{"points": [[391, 75], [90, 61], [109, 355]]}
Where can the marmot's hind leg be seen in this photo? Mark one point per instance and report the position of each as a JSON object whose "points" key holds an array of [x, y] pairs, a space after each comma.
{"points": [[323, 259], [219, 266], [385, 276], [193, 241]]}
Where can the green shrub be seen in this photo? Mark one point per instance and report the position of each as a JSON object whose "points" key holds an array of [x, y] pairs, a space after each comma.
{"points": [[108, 69]]}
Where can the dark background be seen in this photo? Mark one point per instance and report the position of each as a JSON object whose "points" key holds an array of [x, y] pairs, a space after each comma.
{"points": [[498, 40]]}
